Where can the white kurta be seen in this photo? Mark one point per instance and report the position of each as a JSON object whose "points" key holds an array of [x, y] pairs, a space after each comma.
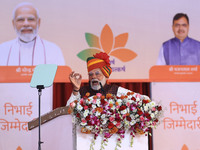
{"points": [[39, 51]]}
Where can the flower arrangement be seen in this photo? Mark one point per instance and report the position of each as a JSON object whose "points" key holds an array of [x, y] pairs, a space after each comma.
{"points": [[110, 114]]}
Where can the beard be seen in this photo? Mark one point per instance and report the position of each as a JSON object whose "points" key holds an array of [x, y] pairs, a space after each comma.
{"points": [[95, 83], [27, 37]]}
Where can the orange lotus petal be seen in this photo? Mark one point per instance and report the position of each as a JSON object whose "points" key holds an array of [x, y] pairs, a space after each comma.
{"points": [[120, 40], [123, 54], [184, 147], [19, 148], [106, 39]]}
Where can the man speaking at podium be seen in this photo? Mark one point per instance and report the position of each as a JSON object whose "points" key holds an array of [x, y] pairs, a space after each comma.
{"points": [[28, 48], [99, 71]]}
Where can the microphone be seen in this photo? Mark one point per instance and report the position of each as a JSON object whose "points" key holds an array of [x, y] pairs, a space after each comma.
{"points": [[102, 89]]}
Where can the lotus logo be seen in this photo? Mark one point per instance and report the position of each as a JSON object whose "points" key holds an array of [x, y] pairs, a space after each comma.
{"points": [[113, 46]]}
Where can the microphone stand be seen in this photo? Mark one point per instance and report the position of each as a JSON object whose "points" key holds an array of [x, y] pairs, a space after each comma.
{"points": [[102, 89], [39, 87]]}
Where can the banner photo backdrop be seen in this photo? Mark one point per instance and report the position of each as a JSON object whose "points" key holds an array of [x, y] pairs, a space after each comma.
{"points": [[130, 31], [180, 125], [18, 106]]}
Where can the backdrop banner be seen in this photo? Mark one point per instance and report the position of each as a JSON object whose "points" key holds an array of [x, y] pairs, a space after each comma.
{"points": [[130, 31], [18, 106], [181, 121]]}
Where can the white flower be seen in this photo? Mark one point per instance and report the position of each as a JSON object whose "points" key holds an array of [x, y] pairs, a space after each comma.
{"points": [[113, 107], [108, 113], [138, 120], [89, 127], [98, 102], [97, 113], [86, 112], [110, 101], [132, 116], [130, 96], [94, 106], [119, 101], [124, 111], [130, 101], [128, 110], [88, 101], [134, 111], [140, 103], [114, 122], [152, 104], [156, 112], [132, 122], [137, 99], [79, 107], [136, 115], [104, 121], [146, 97], [152, 115], [146, 108], [103, 116]]}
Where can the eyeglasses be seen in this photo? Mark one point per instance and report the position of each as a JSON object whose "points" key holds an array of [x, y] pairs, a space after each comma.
{"points": [[97, 73]]}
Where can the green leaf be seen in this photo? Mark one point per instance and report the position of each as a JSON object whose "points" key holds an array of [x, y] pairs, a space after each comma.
{"points": [[87, 53], [92, 40]]}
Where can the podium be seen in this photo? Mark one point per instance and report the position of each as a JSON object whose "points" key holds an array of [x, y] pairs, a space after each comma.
{"points": [[59, 133], [57, 130]]}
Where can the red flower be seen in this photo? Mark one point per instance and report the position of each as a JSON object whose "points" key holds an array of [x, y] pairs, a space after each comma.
{"points": [[128, 118], [139, 112], [149, 117], [145, 101], [156, 120], [85, 107], [103, 56], [117, 119], [87, 118], [159, 108], [146, 114], [90, 106], [110, 125], [133, 98], [78, 115], [122, 108], [103, 101], [89, 124], [85, 97]]}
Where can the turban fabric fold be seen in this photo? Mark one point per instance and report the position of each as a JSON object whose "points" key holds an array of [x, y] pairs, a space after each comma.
{"points": [[100, 60]]}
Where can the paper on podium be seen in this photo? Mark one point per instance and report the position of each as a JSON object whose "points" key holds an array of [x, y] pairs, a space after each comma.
{"points": [[43, 75]]}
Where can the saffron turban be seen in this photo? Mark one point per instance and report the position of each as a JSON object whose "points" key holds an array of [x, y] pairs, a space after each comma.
{"points": [[100, 60]]}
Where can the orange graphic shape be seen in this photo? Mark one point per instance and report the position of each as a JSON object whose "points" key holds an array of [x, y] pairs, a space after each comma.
{"points": [[185, 147], [106, 39], [123, 54], [19, 148], [114, 46], [121, 40]]}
